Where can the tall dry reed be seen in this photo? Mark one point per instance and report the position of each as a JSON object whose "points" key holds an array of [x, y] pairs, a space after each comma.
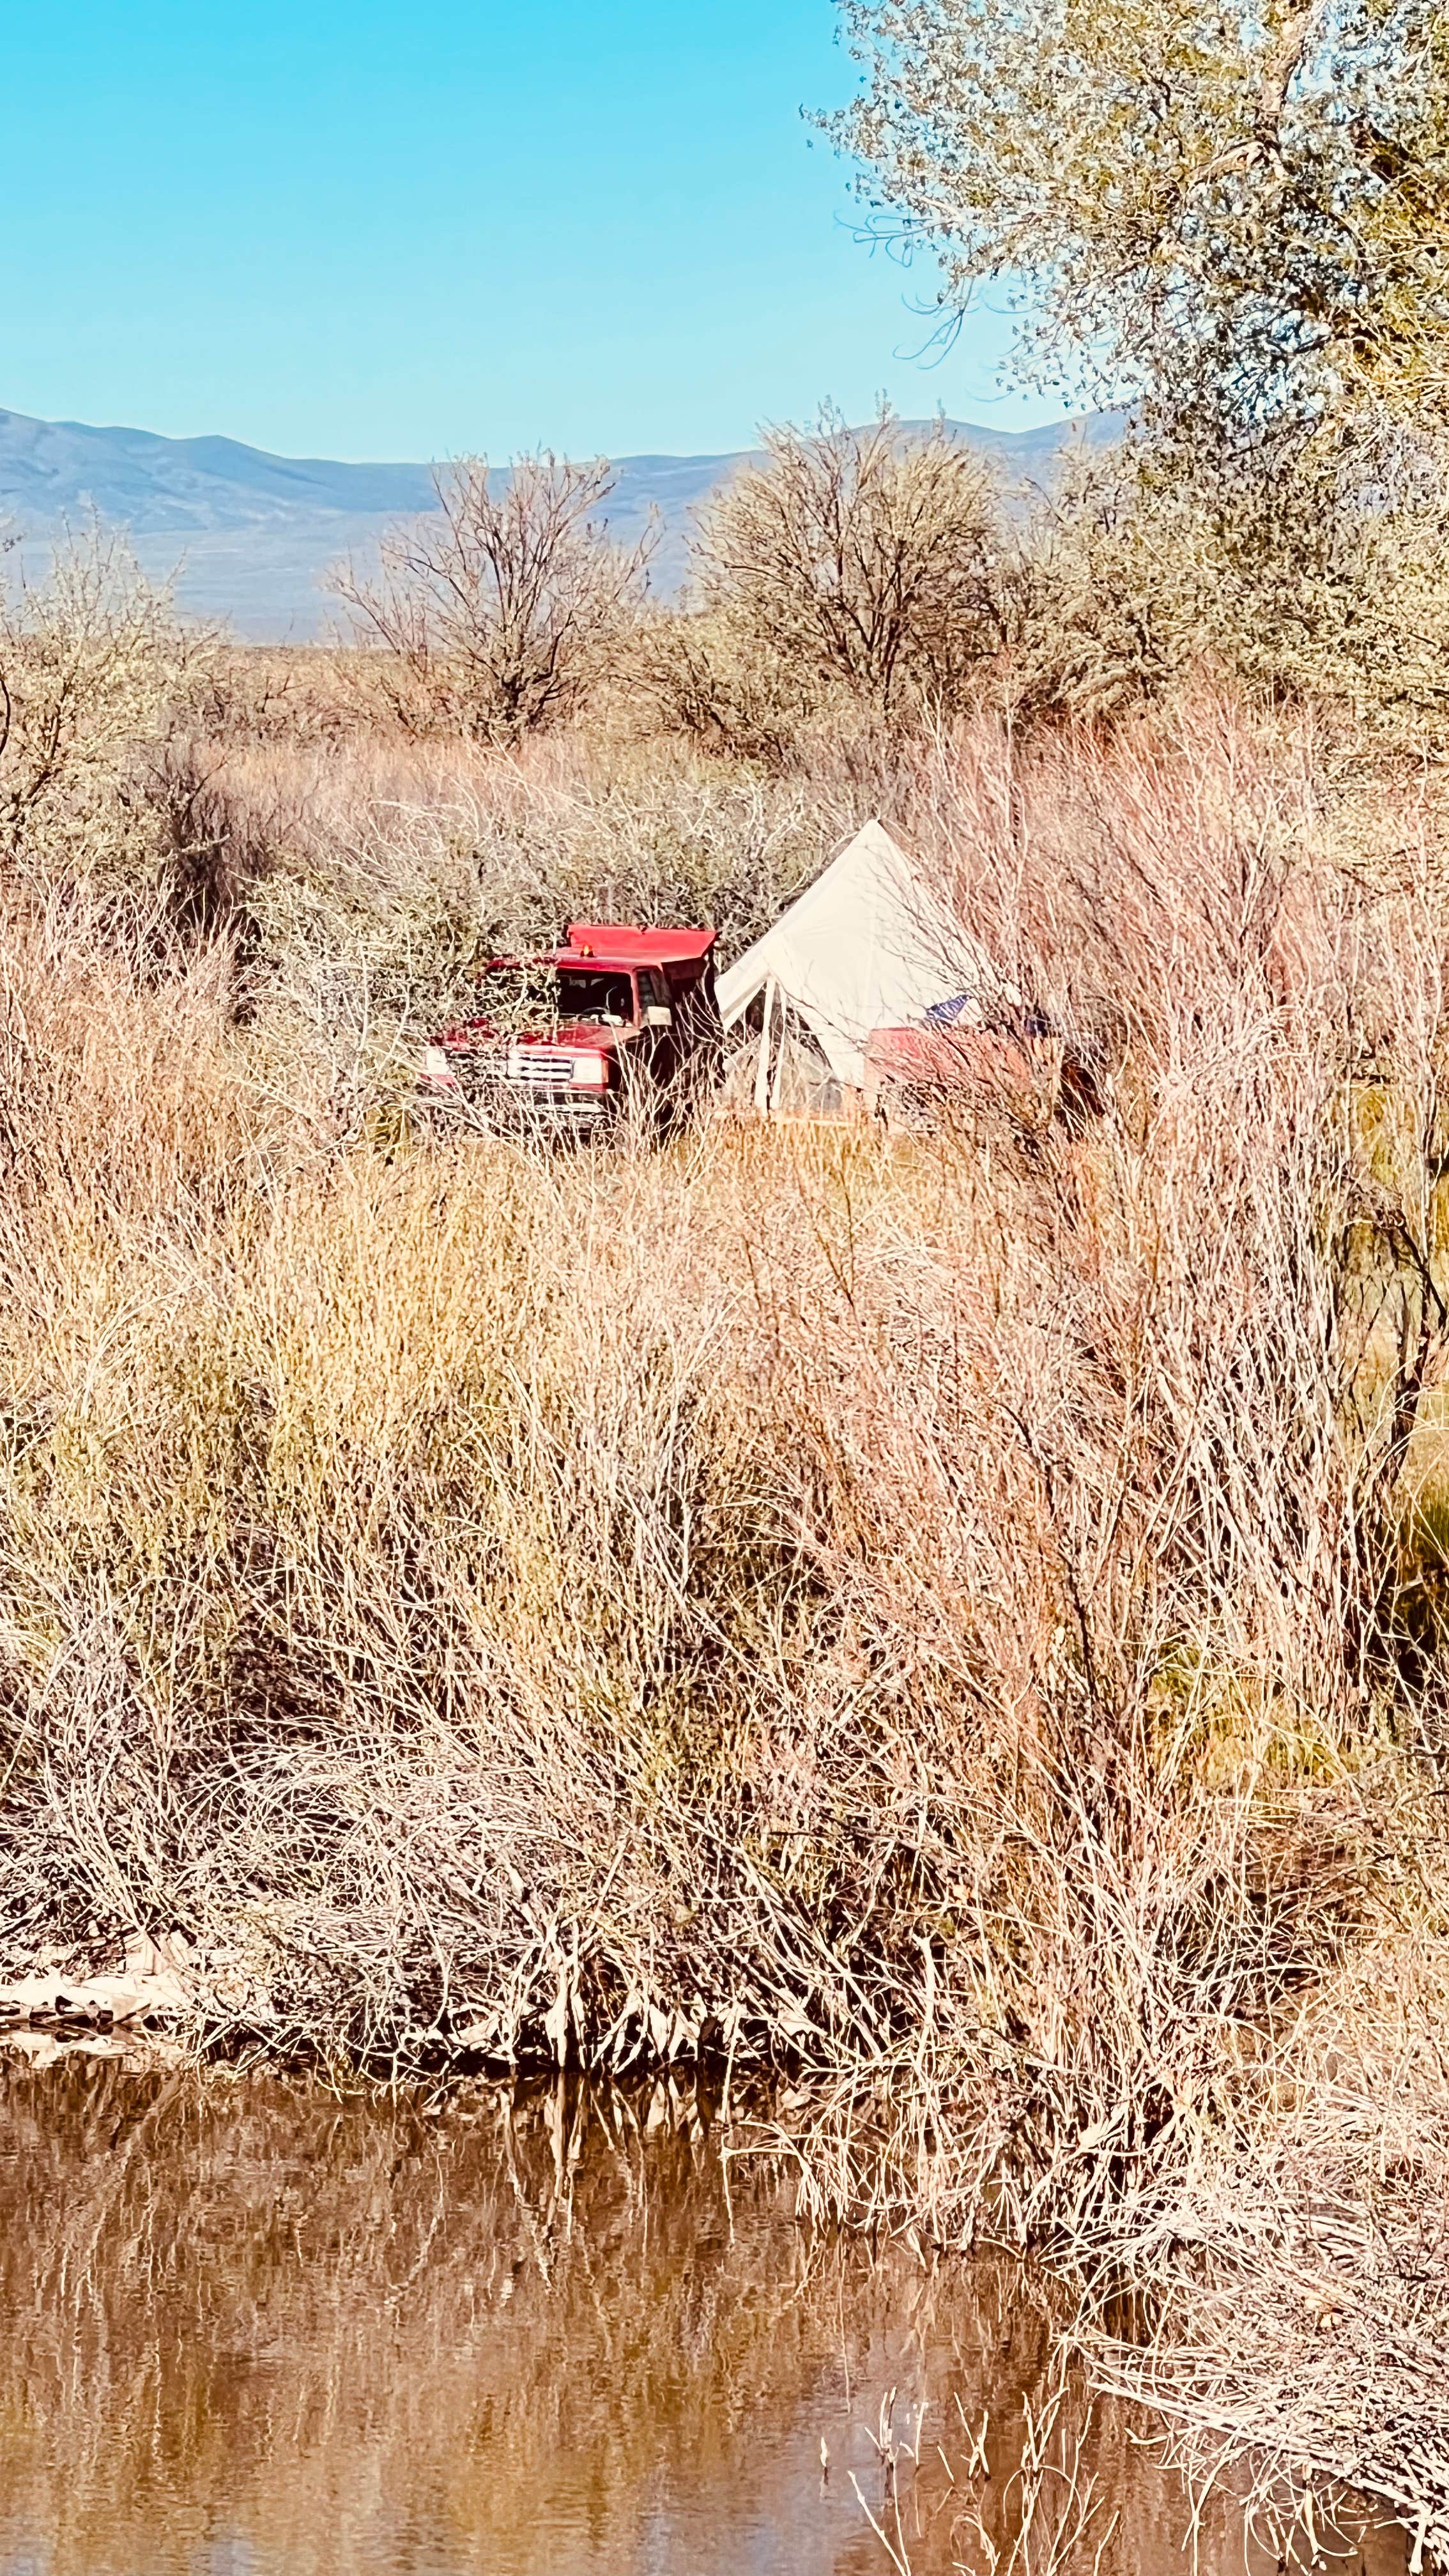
{"points": [[936, 1614]]}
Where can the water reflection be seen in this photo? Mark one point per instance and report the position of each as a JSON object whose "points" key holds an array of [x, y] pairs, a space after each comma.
{"points": [[245, 2329]]}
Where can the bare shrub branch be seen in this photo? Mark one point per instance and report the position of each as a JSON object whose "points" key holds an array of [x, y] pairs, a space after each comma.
{"points": [[491, 617], [863, 557], [93, 662]]}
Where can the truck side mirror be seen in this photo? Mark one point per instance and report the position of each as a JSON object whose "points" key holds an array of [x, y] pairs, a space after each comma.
{"points": [[658, 1016]]}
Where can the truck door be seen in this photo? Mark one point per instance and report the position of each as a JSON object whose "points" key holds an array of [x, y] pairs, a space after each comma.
{"points": [[698, 1036], [661, 1032]]}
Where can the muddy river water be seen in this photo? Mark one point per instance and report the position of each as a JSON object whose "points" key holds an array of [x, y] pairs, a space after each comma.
{"points": [[249, 2330]]}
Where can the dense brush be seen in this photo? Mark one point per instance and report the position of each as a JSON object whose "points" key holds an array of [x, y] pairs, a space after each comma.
{"points": [[936, 1614]]}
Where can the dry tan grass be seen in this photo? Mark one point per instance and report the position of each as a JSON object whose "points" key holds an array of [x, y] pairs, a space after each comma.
{"points": [[932, 1614]]}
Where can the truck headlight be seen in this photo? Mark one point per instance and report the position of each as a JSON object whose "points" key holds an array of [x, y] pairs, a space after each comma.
{"points": [[590, 1073], [436, 1067]]}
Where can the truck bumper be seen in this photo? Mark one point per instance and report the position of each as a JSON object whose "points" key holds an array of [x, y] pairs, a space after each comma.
{"points": [[523, 1109]]}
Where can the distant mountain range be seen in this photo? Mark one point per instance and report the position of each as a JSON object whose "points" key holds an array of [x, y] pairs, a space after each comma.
{"points": [[250, 536]]}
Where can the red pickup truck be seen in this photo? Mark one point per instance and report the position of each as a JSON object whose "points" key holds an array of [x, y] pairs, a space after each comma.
{"points": [[617, 1024]]}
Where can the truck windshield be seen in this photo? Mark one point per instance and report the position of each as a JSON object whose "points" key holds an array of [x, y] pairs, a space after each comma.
{"points": [[606, 1000], [533, 997]]}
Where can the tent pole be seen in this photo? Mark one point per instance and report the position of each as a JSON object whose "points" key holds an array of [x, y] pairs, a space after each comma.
{"points": [[762, 1069]]}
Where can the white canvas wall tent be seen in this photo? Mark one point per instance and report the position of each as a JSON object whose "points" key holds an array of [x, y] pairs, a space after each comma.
{"points": [[869, 945]]}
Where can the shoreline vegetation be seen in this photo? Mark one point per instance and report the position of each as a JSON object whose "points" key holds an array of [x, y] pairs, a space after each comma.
{"points": [[953, 1620]]}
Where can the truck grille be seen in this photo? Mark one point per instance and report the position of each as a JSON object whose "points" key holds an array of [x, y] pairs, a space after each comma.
{"points": [[538, 1068], [521, 1087]]}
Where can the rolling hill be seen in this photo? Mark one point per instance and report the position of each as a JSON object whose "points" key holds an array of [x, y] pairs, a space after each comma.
{"points": [[249, 536]]}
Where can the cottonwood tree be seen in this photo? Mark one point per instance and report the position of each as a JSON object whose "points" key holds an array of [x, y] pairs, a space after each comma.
{"points": [[494, 613], [1237, 224], [866, 557], [1236, 218]]}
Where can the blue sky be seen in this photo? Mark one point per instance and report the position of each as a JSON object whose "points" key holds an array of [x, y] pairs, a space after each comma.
{"points": [[397, 231]]}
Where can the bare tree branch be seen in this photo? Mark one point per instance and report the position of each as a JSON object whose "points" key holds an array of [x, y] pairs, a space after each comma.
{"points": [[496, 612]]}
